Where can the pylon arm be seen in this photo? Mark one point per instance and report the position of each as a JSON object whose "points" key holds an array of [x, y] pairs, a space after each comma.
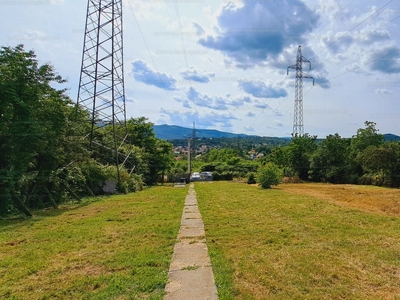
{"points": [[291, 67], [313, 80], [305, 60]]}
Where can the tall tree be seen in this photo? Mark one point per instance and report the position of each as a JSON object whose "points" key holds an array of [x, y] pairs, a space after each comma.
{"points": [[36, 130], [329, 163], [382, 162], [364, 138]]}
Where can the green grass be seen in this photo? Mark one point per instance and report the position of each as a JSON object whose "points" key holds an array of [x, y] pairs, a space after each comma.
{"points": [[270, 244], [118, 247]]}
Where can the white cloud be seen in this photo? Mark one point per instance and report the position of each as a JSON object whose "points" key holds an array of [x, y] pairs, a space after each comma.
{"points": [[204, 120], [194, 98], [383, 92], [143, 73], [192, 74], [261, 90], [253, 32], [386, 60]]}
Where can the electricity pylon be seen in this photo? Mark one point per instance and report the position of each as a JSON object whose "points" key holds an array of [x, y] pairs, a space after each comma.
{"points": [[101, 85], [298, 126]]}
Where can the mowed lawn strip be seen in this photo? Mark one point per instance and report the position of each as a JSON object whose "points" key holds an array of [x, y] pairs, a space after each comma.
{"points": [[270, 244], [117, 247]]}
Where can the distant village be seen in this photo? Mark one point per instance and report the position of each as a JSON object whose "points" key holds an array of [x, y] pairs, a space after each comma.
{"points": [[181, 152]]}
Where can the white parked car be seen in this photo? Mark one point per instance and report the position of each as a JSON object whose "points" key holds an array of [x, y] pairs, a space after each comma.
{"points": [[195, 176]]}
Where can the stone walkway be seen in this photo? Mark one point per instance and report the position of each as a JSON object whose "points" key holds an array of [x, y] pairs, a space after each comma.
{"points": [[190, 274]]}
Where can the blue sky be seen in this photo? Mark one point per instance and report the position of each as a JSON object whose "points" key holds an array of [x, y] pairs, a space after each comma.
{"points": [[222, 64]]}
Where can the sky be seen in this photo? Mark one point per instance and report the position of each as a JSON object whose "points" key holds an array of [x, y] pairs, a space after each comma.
{"points": [[223, 64]]}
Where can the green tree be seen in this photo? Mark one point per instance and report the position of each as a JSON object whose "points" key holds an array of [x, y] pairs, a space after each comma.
{"points": [[155, 154], [329, 163], [295, 157], [222, 155], [163, 158], [364, 138], [37, 134], [381, 164], [269, 175]]}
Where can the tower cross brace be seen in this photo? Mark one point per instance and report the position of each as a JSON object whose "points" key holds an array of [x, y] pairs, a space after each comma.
{"points": [[298, 126], [101, 85]]}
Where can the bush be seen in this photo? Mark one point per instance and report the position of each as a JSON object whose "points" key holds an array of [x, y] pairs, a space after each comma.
{"points": [[268, 175], [251, 178], [222, 176]]}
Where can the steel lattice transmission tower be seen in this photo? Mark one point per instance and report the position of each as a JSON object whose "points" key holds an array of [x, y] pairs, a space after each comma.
{"points": [[101, 85], [298, 126]]}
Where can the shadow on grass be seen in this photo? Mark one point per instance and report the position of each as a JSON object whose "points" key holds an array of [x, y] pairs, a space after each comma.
{"points": [[22, 220], [19, 220]]}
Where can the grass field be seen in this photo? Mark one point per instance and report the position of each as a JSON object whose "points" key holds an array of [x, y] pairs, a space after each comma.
{"points": [[117, 247], [302, 241]]}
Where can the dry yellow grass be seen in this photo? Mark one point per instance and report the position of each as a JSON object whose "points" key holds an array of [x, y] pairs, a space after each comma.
{"points": [[366, 198], [302, 241]]}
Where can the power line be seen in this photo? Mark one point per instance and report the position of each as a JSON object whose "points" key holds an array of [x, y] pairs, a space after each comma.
{"points": [[358, 40], [151, 56], [352, 29], [262, 110], [180, 33], [334, 17], [398, 50], [274, 112]]}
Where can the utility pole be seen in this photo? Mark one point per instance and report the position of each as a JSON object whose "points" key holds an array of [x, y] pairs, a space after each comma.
{"points": [[194, 140], [298, 126], [189, 157], [101, 85]]}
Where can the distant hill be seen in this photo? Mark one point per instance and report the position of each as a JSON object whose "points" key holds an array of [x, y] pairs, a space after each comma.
{"points": [[173, 132], [391, 137]]}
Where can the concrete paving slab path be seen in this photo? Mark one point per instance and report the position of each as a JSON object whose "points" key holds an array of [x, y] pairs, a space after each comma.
{"points": [[190, 274]]}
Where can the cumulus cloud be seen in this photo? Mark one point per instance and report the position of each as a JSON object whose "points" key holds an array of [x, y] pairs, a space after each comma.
{"points": [[199, 29], [336, 42], [195, 98], [142, 72], [261, 90], [386, 60], [205, 120], [260, 104], [383, 91], [321, 79], [192, 74], [253, 32]]}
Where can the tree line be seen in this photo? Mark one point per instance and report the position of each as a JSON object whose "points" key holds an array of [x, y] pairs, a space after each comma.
{"points": [[44, 158], [364, 158]]}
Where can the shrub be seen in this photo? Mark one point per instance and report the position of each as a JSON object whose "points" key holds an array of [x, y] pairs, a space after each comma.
{"points": [[222, 176], [268, 175], [251, 178]]}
